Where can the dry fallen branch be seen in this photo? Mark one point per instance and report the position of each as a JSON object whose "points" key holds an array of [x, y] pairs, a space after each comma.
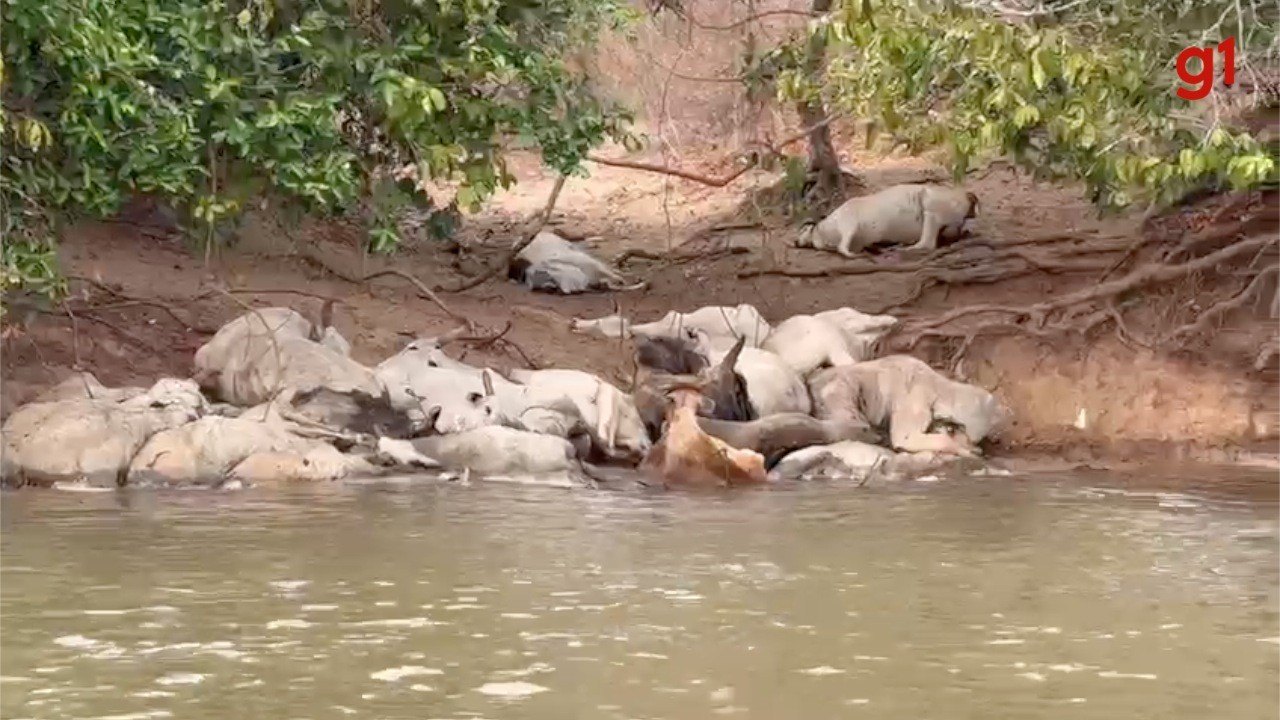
{"points": [[423, 291], [677, 258], [128, 300]]}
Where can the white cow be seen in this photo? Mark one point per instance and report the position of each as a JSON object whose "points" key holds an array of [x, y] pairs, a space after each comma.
{"points": [[772, 385], [723, 325], [912, 399], [94, 440], [899, 215], [602, 406], [266, 351], [830, 338], [551, 263]]}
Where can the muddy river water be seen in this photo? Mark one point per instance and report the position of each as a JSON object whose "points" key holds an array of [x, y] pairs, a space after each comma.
{"points": [[1046, 596]]}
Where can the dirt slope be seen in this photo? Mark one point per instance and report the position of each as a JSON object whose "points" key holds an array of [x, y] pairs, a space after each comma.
{"points": [[156, 302]]}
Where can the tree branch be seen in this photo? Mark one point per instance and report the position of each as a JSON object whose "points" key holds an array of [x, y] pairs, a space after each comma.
{"points": [[753, 159]]}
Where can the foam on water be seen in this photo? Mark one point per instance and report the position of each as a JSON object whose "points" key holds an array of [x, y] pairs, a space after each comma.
{"points": [[518, 689]]}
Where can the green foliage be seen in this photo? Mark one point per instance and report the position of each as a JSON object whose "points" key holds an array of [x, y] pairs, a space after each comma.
{"points": [[1081, 97], [210, 104]]}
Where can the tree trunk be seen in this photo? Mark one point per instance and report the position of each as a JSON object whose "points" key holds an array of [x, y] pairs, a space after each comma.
{"points": [[823, 162]]}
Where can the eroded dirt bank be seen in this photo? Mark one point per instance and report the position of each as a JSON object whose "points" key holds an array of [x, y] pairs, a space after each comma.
{"points": [[143, 302]]}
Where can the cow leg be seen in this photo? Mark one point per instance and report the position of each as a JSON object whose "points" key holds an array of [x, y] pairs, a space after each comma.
{"points": [[930, 228]]}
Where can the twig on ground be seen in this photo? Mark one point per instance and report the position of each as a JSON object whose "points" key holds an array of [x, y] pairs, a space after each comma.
{"points": [[677, 258], [423, 291], [75, 335], [123, 333], [128, 300]]}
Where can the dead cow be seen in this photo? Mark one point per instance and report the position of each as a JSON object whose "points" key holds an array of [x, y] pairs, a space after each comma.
{"points": [[772, 385], [912, 400], [685, 455], [829, 338], [602, 406], [666, 362], [265, 351], [776, 435], [722, 323], [916, 213], [552, 264], [93, 440]]}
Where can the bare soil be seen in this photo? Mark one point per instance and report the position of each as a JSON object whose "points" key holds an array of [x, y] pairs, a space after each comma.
{"points": [[155, 301]]}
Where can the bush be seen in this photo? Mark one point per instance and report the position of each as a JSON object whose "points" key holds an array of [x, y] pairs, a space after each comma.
{"points": [[209, 104]]}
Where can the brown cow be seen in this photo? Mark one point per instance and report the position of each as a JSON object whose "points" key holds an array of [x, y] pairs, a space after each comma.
{"points": [[687, 456]]}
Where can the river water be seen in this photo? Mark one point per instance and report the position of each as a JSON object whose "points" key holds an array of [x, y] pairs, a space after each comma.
{"points": [[1014, 597]]}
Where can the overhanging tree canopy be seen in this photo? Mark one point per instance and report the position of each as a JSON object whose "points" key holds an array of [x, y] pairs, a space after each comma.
{"points": [[211, 103]]}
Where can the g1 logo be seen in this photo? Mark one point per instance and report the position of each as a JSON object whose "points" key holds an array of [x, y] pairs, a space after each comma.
{"points": [[1203, 80]]}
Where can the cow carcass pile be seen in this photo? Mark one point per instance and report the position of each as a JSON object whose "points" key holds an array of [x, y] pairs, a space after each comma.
{"points": [[722, 399]]}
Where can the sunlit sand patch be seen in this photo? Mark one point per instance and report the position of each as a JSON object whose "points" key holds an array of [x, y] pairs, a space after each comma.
{"points": [[517, 689], [399, 673]]}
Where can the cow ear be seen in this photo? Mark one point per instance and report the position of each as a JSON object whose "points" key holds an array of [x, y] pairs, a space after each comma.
{"points": [[488, 382]]}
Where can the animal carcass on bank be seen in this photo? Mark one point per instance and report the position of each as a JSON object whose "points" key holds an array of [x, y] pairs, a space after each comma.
{"points": [[898, 215], [602, 406], [772, 385], [549, 263], [667, 362], [93, 440], [265, 351], [827, 339], [685, 455], [913, 400], [723, 324]]}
